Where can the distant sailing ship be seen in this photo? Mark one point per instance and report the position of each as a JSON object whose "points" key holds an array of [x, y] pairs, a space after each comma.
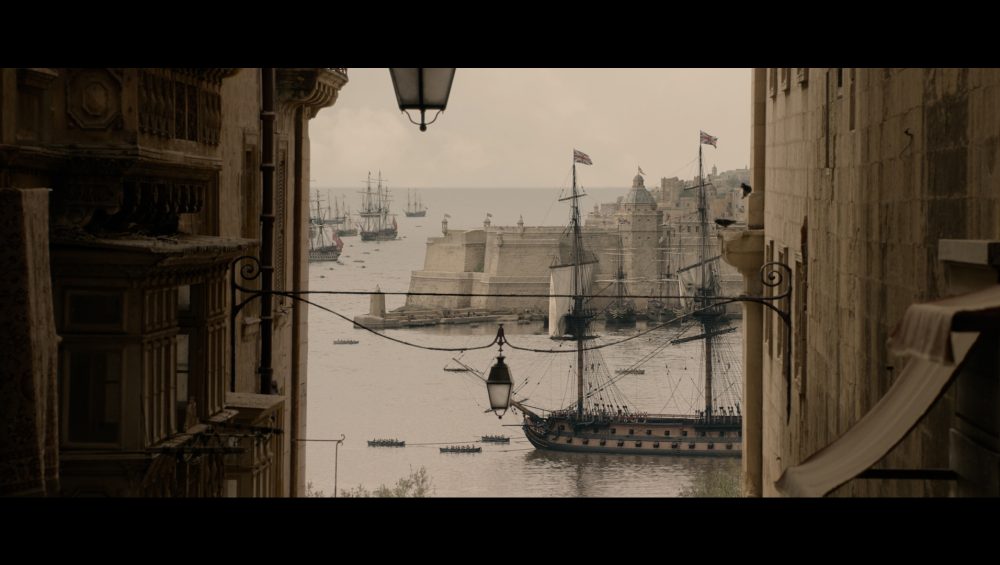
{"points": [[323, 247], [599, 421], [375, 224], [342, 220], [414, 207], [620, 312]]}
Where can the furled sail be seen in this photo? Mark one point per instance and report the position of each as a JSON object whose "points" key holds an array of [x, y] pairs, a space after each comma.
{"points": [[561, 282]]}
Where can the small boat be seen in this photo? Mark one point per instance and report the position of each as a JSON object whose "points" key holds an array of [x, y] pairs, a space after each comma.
{"points": [[631, 371], [495, 439], [345, 341], [461, 449], [456, 369], [386, 443]]}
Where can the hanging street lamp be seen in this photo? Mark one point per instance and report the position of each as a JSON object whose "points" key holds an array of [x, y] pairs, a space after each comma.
{"points": [[422, 89], [499, 384]]}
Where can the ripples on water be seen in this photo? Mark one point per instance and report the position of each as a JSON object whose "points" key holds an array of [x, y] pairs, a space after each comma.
{"points": [[379, 389]]}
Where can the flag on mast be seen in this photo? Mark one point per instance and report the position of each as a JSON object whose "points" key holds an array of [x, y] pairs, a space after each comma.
{"points": [[581, 157], [709, 140], [640, 172]]}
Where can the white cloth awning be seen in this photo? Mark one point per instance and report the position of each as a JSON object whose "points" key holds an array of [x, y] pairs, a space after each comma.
{"points": [[928, 335]]}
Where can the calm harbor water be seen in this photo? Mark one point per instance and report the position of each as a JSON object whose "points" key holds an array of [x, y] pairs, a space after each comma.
{"points": [[381, 389]]}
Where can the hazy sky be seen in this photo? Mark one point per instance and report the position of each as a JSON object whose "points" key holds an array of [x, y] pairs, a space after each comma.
{"points": [[518, 127]]}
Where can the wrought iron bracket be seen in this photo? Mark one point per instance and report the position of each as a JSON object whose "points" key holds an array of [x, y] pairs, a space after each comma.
{"points": [[249, 271], [777, 276]]}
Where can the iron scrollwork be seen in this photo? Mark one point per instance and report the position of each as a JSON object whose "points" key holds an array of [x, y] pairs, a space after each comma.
{"points": [[249, 270], [778, 277]]}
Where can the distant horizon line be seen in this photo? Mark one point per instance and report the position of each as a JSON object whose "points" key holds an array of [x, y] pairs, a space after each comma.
{"points": [[488, 187]]}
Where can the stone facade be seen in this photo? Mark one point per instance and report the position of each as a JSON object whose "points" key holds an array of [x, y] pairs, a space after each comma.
{"points": [[495, 260], [864, 171], [155, 190], [516, 259]]}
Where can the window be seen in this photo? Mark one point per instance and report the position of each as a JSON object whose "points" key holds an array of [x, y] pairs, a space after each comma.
{"points": [[684, 433], [251, 198], [649, 432], [667, 433], [91, 395], [829, 119], [768, 315], [631, 431], [779, 326], [852, 109], [799, 349], [614, 430], [183, 373], [184, 299]]}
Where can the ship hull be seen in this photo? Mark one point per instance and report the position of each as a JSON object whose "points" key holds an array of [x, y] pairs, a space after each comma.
{"points": [[622, 321], [384, 235], [324, 254], [687, 436], [420, 214]]}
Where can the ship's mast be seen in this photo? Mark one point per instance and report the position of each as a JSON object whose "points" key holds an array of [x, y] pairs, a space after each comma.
{"points": [[578, 319], [381, 208], [620, 273], [706, 315]]}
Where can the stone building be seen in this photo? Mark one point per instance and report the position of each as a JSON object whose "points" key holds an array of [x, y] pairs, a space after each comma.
{"points": [[495, 260], [154, 189], [866, 182], [516, 259]]}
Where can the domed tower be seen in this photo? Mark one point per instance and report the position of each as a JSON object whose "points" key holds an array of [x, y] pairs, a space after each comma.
{"points": [[638, 198], [640, 237]]}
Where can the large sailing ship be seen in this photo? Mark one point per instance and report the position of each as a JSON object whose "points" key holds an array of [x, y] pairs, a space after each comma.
{"points": [[342, 219], [324, 243], [375, 223], [414, 206], [601, 421], [620, 312]]}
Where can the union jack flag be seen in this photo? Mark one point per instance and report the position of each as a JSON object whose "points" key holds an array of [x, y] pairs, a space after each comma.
{"points": [[709, 140], [581, 157]]}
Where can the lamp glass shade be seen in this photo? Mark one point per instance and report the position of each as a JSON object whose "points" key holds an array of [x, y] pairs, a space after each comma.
{"points": [[422, 89], [499, 386]]}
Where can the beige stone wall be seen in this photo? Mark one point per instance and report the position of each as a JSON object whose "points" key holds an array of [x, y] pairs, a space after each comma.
{"points": [[459, 251], [498, 260], [877, 169]]}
